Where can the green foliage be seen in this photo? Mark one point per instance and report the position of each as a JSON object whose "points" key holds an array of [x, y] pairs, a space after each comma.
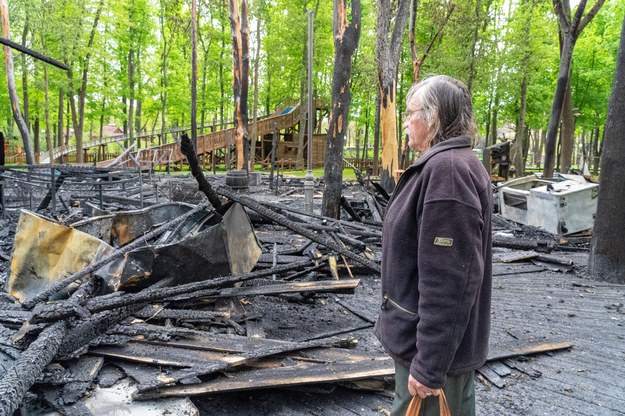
{"points": [[513, 40]]}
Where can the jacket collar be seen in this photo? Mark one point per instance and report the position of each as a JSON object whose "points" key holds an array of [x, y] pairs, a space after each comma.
{"points": [[453, 143]]}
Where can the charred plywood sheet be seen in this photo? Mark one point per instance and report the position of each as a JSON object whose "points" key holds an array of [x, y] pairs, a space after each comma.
{"points": [[45, 252]]}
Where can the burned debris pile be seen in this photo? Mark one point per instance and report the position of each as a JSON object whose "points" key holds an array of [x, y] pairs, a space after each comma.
{"points": [[166, 294], [128, 279]]}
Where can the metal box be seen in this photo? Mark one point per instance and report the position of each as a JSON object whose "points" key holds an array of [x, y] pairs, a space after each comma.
{"points": [[562, 206]]}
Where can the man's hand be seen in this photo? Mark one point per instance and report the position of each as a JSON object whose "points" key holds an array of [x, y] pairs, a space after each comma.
{"points": [[415, 387]]}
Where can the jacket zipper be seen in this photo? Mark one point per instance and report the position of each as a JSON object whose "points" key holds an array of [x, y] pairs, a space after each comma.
{"points": [[397, 305]]}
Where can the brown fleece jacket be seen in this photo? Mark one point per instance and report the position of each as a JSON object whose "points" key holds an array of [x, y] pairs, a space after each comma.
{"points": [[436, 265]]}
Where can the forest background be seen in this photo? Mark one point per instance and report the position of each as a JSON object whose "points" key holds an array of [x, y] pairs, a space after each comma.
{"points": [[131, 66]]}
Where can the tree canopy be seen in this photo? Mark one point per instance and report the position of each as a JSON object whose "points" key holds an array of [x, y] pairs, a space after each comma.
{"points": [[137, 61]]}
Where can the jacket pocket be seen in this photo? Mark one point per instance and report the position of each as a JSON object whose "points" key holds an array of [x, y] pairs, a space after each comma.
{"points": [[387, 300], [397, 330]]}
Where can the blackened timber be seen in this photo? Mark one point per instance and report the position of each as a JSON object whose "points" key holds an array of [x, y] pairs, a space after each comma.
{"points": [[187, 149], [89, 329], [358, 226], [139, 242], [153, 312], [92, 328], [53, 190], [294, 287], [61, 310], [18, 379], [280, 219], [519, 243], [145, 390]]}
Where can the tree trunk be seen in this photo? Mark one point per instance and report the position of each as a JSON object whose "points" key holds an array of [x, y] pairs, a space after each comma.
{"points": [[59, 135], [222, 83], [570, 31], [254, 135], [205, 50], [303, 114], [606, 257], [240, 72], [365, 141], [388, 48], [519, 140], [164, 81], [346, 35], [131, 99], [376, 135], [568, 129], [596, 152], [474, 41], [36, 130], [46, 113], [10, 76], [25, 79], [194, 73], [138, 98], [78, 114]]}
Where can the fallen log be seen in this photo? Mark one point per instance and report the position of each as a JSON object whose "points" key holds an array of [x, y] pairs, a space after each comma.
{"points": [[139, 242], [280, 219]]}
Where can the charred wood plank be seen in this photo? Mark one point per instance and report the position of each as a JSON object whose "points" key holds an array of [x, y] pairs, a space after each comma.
{"points": [[374, 207], [19, 378], [299, 373], [187, 149], [500, 352], [75, 381], [154, 312], [139, 242], [280, 219], [491, 376], [61, 310], [197, 363], [295, 287]]}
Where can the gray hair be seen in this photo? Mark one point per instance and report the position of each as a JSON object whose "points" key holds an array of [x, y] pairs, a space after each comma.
{"points": [[445, 107]]}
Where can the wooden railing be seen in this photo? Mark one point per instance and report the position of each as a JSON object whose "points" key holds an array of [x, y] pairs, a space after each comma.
{"points": [[206, 143]]}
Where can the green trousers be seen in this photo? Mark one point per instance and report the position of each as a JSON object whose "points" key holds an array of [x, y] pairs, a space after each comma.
{"points": [[459, 390]]}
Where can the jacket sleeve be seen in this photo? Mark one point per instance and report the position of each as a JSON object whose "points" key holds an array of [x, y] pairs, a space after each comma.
{"points": [[451, 271]]}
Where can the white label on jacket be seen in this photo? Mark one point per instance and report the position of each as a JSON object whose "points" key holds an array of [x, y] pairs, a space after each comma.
{"points": [[443, 241]]}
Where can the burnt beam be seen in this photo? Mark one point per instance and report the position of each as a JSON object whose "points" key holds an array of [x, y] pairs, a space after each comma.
{"points": [[187, 149], [298, 228]]}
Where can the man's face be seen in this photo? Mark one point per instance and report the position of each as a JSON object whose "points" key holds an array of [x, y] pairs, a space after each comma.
{"points": [[416, 129]]}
